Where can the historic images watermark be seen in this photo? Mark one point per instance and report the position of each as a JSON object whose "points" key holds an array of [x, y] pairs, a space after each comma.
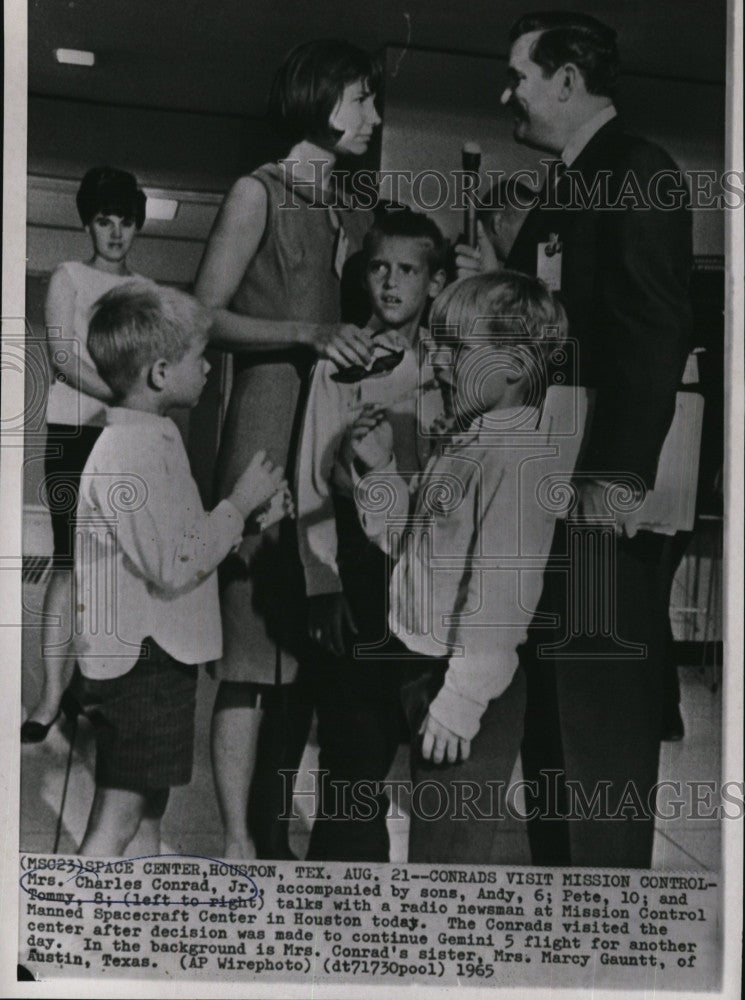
{"points": [[433, 799], [550, 186]]}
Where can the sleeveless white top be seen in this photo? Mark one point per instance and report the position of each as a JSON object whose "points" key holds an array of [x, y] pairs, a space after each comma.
{"points": [[67, 405]]}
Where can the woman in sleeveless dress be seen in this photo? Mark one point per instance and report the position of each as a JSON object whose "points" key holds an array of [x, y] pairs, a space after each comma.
{"points": [[272, 271]]}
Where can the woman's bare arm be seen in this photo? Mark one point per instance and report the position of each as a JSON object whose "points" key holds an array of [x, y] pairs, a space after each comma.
{"points": [[233, 242]]}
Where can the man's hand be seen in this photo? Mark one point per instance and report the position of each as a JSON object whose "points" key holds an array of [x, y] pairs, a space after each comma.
{"points": [[439, 743], [475, 260], [343, 343], [329, 617]]}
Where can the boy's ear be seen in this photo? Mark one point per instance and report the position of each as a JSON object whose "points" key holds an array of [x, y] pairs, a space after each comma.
{"points": [[158, 374], [521, 370], [437, 283], [512, 378]]}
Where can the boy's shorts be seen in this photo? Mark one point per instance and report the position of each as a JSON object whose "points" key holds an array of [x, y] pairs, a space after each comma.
{"points": [[143, 722]]}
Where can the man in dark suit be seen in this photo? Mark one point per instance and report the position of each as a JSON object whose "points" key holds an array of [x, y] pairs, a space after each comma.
{"points": [[612, 235]]}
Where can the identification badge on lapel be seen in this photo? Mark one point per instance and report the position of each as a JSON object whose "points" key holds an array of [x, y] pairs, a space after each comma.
{"points": [[548, 265]]}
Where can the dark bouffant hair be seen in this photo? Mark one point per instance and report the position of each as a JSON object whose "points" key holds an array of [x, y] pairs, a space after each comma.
{"points": [[108, 191]]}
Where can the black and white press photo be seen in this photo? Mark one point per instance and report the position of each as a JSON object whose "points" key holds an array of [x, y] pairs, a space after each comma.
{"points": [[371, 482]]}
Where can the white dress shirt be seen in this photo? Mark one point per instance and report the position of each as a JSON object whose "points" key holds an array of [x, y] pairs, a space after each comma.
{"points": [[146, 550]]}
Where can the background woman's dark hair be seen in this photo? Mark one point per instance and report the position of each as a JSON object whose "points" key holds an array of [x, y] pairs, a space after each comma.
{"points": [[310, 83], [576, 38], [108, 191]]}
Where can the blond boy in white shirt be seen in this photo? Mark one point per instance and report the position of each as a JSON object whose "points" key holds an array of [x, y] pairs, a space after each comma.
{"points": [[145, 557], [471, 538]]}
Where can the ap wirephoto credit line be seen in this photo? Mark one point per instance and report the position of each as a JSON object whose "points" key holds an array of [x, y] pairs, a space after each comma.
{"points": [[371, 469]]}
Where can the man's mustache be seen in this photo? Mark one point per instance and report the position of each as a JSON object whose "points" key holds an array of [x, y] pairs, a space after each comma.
{"points": [[517, 109]]}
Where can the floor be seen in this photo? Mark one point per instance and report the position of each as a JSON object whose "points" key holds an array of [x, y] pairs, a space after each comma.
{"points": [[192, 823]]}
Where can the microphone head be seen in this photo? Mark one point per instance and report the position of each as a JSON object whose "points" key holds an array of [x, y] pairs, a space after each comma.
{"points": [[471, 156]]}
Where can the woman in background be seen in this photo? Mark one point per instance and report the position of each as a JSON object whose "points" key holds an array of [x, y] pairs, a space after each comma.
{"points": [[112, 210], [272, 271]]}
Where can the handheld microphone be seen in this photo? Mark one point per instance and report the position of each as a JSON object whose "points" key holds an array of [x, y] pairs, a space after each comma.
{"points": [[471, 159]]}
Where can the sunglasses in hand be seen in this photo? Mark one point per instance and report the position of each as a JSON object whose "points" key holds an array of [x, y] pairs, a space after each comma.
{"points": [[381, 364]]}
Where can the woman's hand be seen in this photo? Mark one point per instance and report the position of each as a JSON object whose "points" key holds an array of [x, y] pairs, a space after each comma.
{"points": [[344, 344]]}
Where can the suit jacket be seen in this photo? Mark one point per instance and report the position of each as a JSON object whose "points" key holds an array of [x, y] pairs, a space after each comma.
{"points": [[624, 284]]}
